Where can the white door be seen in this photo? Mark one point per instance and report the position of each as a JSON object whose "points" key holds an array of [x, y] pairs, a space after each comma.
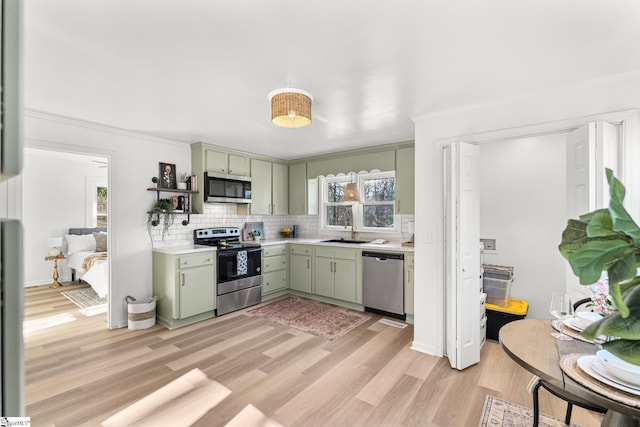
{"points": [[462, 241], [590, 149]]}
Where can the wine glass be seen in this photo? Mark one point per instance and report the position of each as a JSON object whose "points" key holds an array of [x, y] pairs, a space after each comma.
{"points": [[561, 309]]}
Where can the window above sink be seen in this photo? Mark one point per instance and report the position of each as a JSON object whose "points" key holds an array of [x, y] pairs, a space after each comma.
{"points": [[375, 212]]}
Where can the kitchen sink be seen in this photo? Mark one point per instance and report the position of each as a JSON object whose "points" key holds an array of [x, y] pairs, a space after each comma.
{"points": [[346, 241]]}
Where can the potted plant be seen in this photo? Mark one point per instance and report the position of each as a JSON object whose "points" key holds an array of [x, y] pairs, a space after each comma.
{"points": [[182, 181], [165, 208], [609, 240]]}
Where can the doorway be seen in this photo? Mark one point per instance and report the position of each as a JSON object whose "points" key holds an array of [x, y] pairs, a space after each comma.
{"points": [[61, 190]]}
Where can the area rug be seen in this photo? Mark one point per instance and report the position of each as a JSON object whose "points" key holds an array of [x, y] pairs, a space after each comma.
{"points": [[84, 298], [498, 412], [318, 318]]}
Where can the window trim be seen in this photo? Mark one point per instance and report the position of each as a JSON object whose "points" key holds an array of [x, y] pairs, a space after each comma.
{"points": [[324, 196], [358, 212]]}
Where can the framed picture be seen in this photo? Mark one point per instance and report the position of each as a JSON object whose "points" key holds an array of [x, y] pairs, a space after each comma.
{"points": [[253, 231], [167, 176]]}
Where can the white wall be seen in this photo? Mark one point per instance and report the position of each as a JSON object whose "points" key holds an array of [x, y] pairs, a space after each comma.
{"points": [[133, 160], [54, 200], [578, 104], [522, 206]]}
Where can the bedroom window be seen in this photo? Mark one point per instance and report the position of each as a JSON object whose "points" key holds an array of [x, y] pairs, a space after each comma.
{"points": [[374, 212], [101, 207]]}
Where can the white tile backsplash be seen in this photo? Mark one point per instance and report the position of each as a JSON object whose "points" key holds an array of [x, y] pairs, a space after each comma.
{"points": [[225, 215]]}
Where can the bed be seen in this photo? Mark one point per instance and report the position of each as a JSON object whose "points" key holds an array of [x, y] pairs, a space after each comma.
{"points": [[86, 251]]}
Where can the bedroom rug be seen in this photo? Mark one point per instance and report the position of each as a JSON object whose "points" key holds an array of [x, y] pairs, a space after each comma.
{"points": [[498, 412], [318, 318], [85, 298]]}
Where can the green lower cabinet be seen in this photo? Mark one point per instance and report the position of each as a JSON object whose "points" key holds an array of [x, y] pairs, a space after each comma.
{"points": [[336, 276], [274, 269], [325, 278], [274, 281], [300, 272], [345, 279], [195, 291], [185, 287]]}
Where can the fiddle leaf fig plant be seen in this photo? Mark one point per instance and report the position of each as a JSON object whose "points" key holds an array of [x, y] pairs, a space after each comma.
{"points": [[609, 240]]}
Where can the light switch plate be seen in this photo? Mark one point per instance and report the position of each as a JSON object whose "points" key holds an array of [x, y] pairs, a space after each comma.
{"points": [[489, 244]]}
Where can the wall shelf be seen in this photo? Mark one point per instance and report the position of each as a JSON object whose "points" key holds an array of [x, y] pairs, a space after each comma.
{"points": [[188, 194]]}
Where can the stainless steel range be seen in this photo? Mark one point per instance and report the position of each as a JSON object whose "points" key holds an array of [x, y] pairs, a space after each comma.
{"points": [[239, 279]]}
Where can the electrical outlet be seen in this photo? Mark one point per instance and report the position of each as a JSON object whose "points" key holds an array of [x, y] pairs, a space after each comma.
{"points": [[489, 244]]}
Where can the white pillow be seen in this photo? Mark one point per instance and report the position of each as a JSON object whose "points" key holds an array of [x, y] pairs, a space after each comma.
{"points": [[83, 242]]}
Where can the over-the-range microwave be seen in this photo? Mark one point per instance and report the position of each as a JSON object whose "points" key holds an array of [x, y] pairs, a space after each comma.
{"points": [[226, 188]]}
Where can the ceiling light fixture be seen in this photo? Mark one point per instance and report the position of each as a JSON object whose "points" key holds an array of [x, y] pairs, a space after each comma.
{"points": [[290, 108]]}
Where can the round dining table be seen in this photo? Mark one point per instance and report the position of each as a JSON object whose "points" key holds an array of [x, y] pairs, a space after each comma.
{"points": [[530, 344]]}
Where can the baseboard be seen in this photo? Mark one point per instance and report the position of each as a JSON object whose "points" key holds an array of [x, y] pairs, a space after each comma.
{"points": [[424, 349]]}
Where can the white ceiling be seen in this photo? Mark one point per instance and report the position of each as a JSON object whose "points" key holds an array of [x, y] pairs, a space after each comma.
{"points": [[200, 70]]}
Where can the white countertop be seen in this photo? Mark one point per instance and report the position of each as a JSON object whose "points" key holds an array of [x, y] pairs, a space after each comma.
{"points": [[182, 247], [185, 247], [391, 245]]}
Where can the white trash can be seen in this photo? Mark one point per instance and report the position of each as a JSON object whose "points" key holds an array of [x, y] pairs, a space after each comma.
{"points": [[142, 313]]}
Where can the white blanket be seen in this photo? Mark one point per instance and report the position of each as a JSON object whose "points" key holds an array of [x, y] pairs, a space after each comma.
{"points": [[97, 276]]}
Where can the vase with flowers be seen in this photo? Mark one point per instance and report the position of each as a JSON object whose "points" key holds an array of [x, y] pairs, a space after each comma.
{"points": [[608, 240]]}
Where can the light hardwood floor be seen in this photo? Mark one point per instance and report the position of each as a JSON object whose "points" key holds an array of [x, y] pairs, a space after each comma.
{"points": [[78, 373]]}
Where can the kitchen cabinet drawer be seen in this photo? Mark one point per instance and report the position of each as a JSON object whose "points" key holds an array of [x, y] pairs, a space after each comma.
{"points": [[324, 251], [331, 252], [274, 281], [344, 253], [408, 260], [196, 260], [274, 263], [300, 249], [268, 251]]}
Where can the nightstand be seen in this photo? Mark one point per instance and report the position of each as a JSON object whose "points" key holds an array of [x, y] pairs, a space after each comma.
{"points": [[55, 259]]}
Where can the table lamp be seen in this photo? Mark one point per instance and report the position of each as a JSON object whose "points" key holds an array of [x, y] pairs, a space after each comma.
{"points": [[55, 243]]}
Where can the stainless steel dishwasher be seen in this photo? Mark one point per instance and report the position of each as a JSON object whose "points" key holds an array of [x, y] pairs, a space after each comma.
{"points": [[383, 283]]}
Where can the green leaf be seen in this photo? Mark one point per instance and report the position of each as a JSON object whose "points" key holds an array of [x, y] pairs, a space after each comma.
{"points": [[625, 349], [601, 225], [614, 325], [616, 294], [574, 237], [624, 268], [617, 325], [622, 221], [594, 257]]}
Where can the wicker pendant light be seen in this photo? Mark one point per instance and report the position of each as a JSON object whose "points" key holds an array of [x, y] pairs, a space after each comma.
{"points": [[290, 108], [351, 193]]}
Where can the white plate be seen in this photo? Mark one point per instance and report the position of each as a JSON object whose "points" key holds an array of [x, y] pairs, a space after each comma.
{"points": [[585, 363], [619, 368], [571, 324], [597, 366]]}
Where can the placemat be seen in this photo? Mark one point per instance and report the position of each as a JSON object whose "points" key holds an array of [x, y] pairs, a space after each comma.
{"points": [[571, 333], [574, 334], [569, 365]]}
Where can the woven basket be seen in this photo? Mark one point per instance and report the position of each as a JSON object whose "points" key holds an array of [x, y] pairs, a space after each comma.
{"points": [[142, 313]]}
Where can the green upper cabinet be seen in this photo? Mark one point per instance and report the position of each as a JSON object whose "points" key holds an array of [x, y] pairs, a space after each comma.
{"points": [[225, 162], [269, 188], [298, 189], [405, 187], [209, 158]]}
